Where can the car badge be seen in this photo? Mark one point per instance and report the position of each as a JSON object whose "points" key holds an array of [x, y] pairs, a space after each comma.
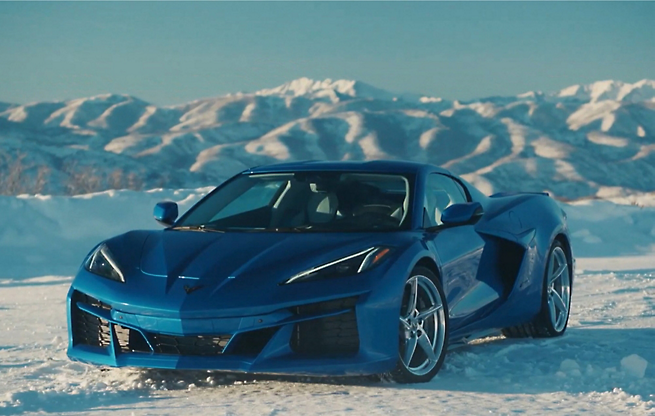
{"points": [[190, 289]]}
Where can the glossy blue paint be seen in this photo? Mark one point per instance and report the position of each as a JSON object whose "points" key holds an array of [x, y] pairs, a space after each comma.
{"points": [[459, 214], [193, 283], [165, 212]]}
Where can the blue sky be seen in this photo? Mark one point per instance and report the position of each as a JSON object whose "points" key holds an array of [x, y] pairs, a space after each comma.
{"points": [[169, 53]]}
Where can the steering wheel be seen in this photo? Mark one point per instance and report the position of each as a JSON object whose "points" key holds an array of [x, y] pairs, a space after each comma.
{"points": [[374, 214], [373, 209]]}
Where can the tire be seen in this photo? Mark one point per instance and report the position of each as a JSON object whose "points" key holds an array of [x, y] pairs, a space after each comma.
{"points": [[423, 329], [553, 317]]}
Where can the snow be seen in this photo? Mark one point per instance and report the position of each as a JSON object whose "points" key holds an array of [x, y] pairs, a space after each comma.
{"points": [[569, 91], [602, 366], [355, 126], [606, 140], [270, 144], [634, 365], [517, 136], [589, 144], [371, 149], [328, 88], [594, 368], [483, 147], [601, 134], [42, 235], [611, 90], [551, 149], [593, 111], [426, 100]]}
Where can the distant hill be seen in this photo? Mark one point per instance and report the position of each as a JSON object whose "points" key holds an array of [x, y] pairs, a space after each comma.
{"points": [[595, 140]]}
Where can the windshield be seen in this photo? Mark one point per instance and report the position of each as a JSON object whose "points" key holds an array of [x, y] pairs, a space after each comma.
{"points": [[305, 201]]}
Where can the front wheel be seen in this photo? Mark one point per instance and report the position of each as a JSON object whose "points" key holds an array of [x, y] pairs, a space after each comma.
{"points": [[423, 328]]}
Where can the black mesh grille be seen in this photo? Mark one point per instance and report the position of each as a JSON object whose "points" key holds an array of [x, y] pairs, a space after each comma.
{"points": [[189, 345], [323, 307], [88, 329], [81, 297], [252, 342], [130, 340], [334, 335]]}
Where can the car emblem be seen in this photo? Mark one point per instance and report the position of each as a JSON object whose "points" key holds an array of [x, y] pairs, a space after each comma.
{"points": [[191, 289]]}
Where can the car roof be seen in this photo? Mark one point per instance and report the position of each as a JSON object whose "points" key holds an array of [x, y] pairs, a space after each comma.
{"points": [[377, 166]]}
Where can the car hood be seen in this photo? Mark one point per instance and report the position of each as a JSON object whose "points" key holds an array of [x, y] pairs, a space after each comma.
{"points": [[254, 255], [208, 274], [198, 274], [202, 274]]}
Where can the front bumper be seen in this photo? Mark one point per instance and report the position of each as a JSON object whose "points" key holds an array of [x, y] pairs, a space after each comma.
{"points": [[348, 335]]}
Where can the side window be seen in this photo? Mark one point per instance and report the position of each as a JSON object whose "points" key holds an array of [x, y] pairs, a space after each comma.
{"points": [[461, 191], [441, 192]]}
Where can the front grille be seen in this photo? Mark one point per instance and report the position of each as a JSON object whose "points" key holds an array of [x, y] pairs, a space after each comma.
{"points": [[189, 345], [89, 329], [252, 342], [130, 340], [84, 298], [325, 307], [333, 335]]}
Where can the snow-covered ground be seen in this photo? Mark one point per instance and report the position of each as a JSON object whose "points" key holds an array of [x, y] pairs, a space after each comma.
{"points": [[605, 364], [597, 367]]}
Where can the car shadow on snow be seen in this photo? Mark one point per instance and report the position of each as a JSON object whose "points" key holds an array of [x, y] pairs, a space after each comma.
{"points": [[585, 359], [189, 379]]}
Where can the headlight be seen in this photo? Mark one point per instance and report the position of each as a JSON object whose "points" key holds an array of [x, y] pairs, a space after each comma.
{"points": [[100, 262], [346, 266]]}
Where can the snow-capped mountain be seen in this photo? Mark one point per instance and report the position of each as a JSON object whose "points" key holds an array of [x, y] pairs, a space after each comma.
{"points": [[595, 140]]}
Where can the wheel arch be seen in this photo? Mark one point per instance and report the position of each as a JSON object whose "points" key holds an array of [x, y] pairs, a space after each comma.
{"points": [[431, 265], [563, 239]]}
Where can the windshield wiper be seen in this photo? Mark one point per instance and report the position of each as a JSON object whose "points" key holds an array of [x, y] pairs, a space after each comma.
{"points": [[202, 228]]}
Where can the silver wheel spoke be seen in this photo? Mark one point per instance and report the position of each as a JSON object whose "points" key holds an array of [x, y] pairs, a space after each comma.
{"points": [[422, 326], [558, 301], [558, 288], [405, 323], [413, 296], [553, 310], [431, 310], [557, 273], [410, 347], [426, 346]]}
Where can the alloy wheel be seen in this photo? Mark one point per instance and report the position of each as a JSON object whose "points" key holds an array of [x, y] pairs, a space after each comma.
{"points": [[558, 289], [422, 326]]}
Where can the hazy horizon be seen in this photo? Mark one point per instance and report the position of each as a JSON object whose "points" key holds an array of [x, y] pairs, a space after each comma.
{"points": [[171, 53]]}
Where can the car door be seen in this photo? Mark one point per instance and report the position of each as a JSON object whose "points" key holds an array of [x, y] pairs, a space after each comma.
{"points": [[459, 250]]}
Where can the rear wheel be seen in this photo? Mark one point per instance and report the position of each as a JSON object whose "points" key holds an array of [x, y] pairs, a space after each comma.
{"points": [[423, 329], [556, 301]]}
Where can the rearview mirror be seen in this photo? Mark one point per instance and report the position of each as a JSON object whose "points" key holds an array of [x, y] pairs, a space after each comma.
{"points": [[166, 213], [459, 214]]}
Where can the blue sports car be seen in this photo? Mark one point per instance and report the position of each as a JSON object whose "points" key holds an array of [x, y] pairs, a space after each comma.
{"points": [[325, 268]]}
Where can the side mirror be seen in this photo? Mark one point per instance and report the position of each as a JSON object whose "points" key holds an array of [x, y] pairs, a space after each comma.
{"points": [[459, 214], [165, 213]]}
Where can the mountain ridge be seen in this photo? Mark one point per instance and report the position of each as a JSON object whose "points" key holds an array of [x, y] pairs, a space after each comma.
{"points": [[538, 141], [304, 86]]}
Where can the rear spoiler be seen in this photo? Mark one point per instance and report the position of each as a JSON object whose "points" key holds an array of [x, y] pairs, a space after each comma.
{"points": [[504, 194]]}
